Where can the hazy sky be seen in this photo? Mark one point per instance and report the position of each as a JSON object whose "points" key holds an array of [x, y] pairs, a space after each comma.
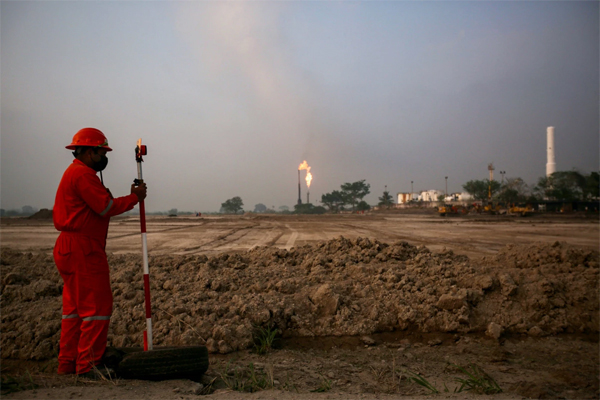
{"points": [[230, 97]]}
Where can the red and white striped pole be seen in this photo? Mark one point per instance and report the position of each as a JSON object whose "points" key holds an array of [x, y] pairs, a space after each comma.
{"points": [[139, 152]]}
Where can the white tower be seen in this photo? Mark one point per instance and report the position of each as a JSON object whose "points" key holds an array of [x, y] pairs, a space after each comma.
{"points": [[551, 163]]}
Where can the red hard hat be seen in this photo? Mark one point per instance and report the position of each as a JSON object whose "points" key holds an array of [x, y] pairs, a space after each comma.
{"points": [[90, 137]]}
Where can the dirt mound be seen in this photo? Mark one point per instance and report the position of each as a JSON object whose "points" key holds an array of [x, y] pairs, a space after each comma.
{"points": [[44, 213], [334, 288]]}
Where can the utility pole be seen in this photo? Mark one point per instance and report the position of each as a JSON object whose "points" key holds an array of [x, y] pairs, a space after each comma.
{"points": [[446, 186], [299, 195], [491, 169], [411, 190]]}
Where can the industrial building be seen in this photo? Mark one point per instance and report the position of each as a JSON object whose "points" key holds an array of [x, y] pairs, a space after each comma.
{"points": [[404, 198], [431, 196], [551, 161]]}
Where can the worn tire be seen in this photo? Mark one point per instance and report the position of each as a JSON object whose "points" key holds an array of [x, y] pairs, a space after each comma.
{"points": [[164, 363]]}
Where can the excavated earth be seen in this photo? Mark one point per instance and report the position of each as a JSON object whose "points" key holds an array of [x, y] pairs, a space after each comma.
{"points": [[396, 303]]}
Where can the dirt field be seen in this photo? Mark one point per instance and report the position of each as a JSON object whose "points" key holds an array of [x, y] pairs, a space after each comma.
{"points": [[362, 303], [473, 235]]}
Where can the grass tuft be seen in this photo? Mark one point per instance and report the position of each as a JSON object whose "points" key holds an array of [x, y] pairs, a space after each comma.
{"points": [[324, 387], [248, 379], [417, 378], [289, 385], [265, 338], [477, 380], [12, 384]]}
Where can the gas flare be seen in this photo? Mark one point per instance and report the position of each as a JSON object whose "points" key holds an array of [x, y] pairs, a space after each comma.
{"points": [[305, 166]]}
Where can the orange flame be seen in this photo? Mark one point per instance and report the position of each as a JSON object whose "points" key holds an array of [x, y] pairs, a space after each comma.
{"points": [[305, 166]]}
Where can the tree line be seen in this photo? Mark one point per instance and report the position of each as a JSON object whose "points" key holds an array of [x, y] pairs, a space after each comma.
{"points": [[350, 196], [560, 186], [25, 211]]}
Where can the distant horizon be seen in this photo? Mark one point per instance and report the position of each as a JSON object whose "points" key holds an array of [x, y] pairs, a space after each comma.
{"points": [[394, 195]]}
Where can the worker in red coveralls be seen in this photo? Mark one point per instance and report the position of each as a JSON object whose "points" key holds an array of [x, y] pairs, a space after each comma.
{"points": [[82, 212]]}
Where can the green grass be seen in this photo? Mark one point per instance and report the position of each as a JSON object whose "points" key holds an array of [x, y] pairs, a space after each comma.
{"points": [[247, 379], [477, 380], [324, 387], [421, 381], [209, 387], [265, 338], [289, 385], [12, 384]]}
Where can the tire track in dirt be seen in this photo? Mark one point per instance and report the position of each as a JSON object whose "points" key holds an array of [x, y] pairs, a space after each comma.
{"points": [[265, 241], [277, 230], [193, 250], [220, 241], [292, 240], [230, 241], [268, 239], [275, 239], [160, 231]]}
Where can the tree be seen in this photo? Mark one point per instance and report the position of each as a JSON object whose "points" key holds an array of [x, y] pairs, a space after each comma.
{"points": [[515, 190], [480, 190], [28, 210], [386, 200], [363, 206], [592, 186], [232, 205], [284, 209], [172, 211], [308, 208], [260, 208], [334, 200], [562, 185], [356, 191]]}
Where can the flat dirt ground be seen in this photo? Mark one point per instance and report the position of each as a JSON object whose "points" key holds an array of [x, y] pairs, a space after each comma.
{"points": [[361, 304]]}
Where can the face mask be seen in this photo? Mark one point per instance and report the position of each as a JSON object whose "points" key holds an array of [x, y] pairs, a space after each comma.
{"points": [[100, 165]]}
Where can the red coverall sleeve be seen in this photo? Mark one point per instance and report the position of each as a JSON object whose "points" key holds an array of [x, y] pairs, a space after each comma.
{"points": [[97, 198]]}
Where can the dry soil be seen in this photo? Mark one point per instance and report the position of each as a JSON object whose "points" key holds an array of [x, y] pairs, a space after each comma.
{"points": [[360, 303]]}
